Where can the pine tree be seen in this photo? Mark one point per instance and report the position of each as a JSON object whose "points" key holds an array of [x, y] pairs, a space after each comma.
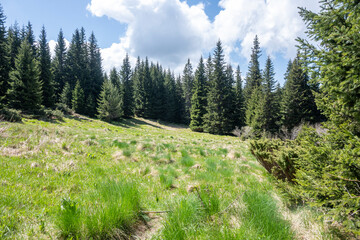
{"points": [[198, 100], [58, 65], [25, 91], [239, 114], [30, 38], [45, 71], [115, 79], [148, 89], [65, 96], [128, 99], [4, 58], [229, 99], [78, 99], [188, 82], [110, 102], [157, 99], [253, 78], [215, 120], [95, 75]]}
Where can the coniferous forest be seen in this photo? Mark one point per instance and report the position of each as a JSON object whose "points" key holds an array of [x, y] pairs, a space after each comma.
{"points": [[306, 133]]}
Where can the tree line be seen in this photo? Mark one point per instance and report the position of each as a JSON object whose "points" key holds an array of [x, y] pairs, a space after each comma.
{"points": [[211, 98]]}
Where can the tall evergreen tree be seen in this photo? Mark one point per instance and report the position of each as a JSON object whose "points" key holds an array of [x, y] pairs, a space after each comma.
{"points": [[78, 99], [110, 102], [253, 78], [170, 97], [128, 99], [148, 89], [298, 102], [188, 82], [157, 93], [229, 98], [14, 42], [65, 96], [95, 75], [58, 65], [30, 37], [198, 100], [139, 90], [45, 71], [239, 114], [115, 79], [4, 58], [215, 120], [180, 101], [25, 91]]}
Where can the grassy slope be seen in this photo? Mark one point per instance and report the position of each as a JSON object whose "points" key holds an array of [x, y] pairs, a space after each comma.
{"points": [[84, 160]]}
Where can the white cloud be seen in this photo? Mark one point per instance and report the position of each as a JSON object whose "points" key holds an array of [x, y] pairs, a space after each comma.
{"points": [[276, 22], [170, 31]]}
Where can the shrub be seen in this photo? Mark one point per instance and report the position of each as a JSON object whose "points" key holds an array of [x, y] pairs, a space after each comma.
{"points": [[10, 115], [54, 114]]}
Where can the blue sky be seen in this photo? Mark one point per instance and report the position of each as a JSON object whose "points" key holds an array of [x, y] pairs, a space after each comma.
{"points": [[170, 31]]}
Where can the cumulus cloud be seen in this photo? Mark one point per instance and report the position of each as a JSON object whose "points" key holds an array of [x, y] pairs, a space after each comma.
{"points": [[276, 22], [170, 31]]}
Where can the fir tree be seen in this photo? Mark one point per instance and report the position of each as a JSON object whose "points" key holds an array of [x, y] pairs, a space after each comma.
{"points": [[30, 38], [45, 71], [78, 99], [115, 79], [25, 92], [198, 100], [188, 81], [146, 76], [4, 58], [128, 99], [157, 99], [110, 102], [180, 102], [58, 65], [239, 114], [65, 96]]}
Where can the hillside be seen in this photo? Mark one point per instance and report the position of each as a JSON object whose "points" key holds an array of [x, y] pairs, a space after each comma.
{"points": [[137, 179]]}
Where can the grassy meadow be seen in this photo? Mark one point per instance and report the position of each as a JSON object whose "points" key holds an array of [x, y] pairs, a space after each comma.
{"points": [[82, 178]]}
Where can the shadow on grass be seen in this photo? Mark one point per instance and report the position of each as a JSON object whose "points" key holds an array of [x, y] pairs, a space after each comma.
{"points": [[133, 122]]}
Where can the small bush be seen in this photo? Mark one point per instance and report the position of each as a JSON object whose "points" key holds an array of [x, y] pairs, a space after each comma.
{"points": [[54, 114], [10, 115], [64, 109]]}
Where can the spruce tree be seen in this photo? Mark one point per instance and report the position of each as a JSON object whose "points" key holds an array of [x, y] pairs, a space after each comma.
{"points": [[198, 100], [14, 42], [25, 90], [65, 96], [157, 92], [139, 90], [4, 58], [298, 104], [188, 82], [127, 80], [239, 115], [58, 65], [170, 97], [45, 71], [78, 99], [95, 79], [30, 38], [148, 89], [110, 102], [115, 79], [215, 120], [180, 102], [253, 78]]}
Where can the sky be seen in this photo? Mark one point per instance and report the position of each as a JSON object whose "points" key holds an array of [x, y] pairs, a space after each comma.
{"points": [[171, 31]]}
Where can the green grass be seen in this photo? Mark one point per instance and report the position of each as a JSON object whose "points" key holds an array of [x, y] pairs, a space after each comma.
{"points": [[87, 179]]}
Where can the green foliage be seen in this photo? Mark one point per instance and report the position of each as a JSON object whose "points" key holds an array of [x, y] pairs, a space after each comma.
{"points": [[78, 99], [25, 92], [188, 84], [11, 115], [45, 71], [239, 111], [4, 58], [127, 81], [65, 97], [58, 66], [198, 100], [68, 220], [110, 103]]}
